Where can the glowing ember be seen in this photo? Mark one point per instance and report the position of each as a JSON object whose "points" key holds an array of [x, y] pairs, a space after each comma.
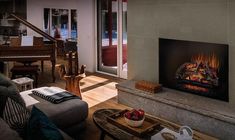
{"points": [[196, 88], [201, 72]]}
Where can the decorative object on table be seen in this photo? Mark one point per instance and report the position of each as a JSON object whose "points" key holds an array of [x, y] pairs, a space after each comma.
{"points": [[134, 118], [168, 136], [150, 125], [70, 75], [148, 86], [186, 133]]}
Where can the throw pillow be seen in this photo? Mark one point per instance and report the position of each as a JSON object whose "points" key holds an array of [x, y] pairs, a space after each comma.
{"points": [[15, 114], [8, 88], [12, 106], [41, 128]]}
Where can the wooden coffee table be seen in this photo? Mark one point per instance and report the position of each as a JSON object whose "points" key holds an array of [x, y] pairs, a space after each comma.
{"points": [[100, 119]]}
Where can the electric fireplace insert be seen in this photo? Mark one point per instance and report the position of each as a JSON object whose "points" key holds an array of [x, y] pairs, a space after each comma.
{"points": [[195, 67]]}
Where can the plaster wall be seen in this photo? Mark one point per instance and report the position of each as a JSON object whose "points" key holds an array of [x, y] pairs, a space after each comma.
{"points": [[195, 20], [85, 21]]}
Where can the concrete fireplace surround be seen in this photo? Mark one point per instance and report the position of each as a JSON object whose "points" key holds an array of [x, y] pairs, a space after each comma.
{"points": [[206, 115]]}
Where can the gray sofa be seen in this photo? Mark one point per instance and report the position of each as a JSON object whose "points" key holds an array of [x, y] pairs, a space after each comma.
{"points": [[69, 116], [6, 133]]}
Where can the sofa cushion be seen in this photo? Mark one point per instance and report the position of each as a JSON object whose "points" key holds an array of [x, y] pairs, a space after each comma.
{"points": [[41, 128], [64, 114], [7, 133]]}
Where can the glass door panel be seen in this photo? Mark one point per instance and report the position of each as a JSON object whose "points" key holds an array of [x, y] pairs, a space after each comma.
{"points": [[112, 37], [107, 33], [123, 56], [60, 23], [74, 33], [46, 23]]}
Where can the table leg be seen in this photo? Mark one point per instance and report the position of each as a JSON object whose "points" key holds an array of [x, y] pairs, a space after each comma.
{"points": [[102, 135], [42, 64], [53, 70]]}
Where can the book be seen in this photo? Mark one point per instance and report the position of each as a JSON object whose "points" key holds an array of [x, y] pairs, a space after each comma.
{"points": [[27, 41], [54, 94]]}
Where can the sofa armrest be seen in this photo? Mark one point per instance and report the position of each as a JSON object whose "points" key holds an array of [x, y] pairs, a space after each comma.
{"points": [[65, 136], [6, 133]]}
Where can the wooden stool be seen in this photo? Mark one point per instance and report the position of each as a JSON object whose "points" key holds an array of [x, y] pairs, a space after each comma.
{"points": [[29, 70]]}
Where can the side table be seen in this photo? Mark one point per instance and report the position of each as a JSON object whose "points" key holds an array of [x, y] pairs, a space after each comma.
{"points": [[23, 83], [23, 71]]}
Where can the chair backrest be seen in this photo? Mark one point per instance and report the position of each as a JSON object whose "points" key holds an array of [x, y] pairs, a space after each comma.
{"points": [[70, 46], [38, 41], [15, 41]]}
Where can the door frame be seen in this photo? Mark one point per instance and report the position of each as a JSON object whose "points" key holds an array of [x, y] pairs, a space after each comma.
{"points": [[119, 72]]}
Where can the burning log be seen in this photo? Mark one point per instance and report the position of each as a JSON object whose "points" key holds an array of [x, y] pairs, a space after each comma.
{"points": [[199, 74]]}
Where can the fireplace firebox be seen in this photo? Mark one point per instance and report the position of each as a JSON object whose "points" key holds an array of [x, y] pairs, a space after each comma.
{"points": [[195, 67]]}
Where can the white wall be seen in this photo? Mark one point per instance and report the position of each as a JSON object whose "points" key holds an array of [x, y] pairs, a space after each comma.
{"points": [[86, 24], [197, 20]]}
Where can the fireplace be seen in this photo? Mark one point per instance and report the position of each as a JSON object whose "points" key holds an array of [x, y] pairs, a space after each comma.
{"points": [[195, 67]]}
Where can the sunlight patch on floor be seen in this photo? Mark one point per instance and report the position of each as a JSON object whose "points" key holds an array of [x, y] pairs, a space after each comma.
{"points": [[98, 93]]}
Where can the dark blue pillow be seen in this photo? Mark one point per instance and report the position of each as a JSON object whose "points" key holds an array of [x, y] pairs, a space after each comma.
{"points": [[41, 128]]}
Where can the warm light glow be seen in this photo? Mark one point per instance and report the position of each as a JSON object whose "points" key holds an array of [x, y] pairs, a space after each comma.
{"points": [[210, 60], [213, 61], [196, 88]]}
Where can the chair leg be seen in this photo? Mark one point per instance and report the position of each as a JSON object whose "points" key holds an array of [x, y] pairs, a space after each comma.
{"points": [[42, 63], [13, 76], [36, 80]]}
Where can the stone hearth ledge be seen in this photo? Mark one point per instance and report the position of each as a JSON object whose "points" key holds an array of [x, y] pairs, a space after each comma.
{"points": [[201, 113]]}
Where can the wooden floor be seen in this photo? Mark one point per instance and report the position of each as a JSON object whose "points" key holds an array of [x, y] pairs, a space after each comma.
{"points": [[95, 87], [98, 90]]}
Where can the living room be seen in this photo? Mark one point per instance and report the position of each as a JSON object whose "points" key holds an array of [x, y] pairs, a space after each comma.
{"points": [[198, 21]]}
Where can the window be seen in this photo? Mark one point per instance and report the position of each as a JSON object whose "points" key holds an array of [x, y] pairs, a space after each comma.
{"points": [[61, 23]]}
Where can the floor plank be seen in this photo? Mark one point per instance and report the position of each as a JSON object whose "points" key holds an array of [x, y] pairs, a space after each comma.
{"points": [[96, 88]]}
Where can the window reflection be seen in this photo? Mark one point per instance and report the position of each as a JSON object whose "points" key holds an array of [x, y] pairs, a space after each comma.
{"points": [[60, 23], [56, 23], [73, 24], [46, 26]]}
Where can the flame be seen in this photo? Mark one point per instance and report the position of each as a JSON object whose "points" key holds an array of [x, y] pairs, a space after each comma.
{"points": [[195, 88], [211, 60]]}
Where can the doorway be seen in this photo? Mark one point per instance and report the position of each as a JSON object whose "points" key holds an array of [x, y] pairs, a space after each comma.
{"points": [[112, 37]]}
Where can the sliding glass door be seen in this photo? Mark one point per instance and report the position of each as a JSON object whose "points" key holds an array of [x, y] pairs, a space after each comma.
{"points": [[123, 39], [112, 38]]}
